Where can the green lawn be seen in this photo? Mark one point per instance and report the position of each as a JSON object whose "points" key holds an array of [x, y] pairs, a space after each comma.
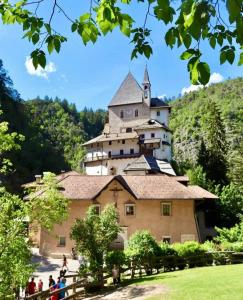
{"points": [[209, 283]]}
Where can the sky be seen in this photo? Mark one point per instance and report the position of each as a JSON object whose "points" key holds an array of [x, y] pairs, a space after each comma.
{"points": [[90, 75]]}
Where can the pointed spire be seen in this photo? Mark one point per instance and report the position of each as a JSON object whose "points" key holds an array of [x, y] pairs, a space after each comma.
{"points": [[146, 75]]}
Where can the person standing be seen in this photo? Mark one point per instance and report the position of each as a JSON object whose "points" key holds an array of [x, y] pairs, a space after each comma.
{"points": [[40, 285], [51, 281], [116, 274], [65, 263], [60, 286], [32, 286]]}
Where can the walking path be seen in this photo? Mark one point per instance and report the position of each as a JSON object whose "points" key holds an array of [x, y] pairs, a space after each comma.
{"points": [[51, 266], [133, 292]]}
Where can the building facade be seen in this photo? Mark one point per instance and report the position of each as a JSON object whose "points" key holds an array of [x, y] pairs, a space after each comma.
{"points": [[138, 125], [161, 204]]}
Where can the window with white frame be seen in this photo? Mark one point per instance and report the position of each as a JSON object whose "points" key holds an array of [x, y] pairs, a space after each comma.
{"points": [[166, 208], [62, 241], [166, 239], [97, 209], [130, 209]]}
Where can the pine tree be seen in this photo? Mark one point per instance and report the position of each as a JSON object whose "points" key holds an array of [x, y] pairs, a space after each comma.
{"points": [[212, 155]]}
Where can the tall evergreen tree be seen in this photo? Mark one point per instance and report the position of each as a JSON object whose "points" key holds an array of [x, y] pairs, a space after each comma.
{"points": [[212, 155]]}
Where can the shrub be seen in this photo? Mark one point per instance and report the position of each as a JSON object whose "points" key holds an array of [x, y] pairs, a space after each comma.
{"points": [[143, 250], [116, 257], [236, 247], [169, 257], [192, 252]]}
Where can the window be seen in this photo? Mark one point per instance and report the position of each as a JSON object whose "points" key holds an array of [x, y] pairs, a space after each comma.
{"points": [[98, 144], [97, 209], [128, 129], [136, 113], [166, 239], [123, 141], [166, 209], [152, 135], [62, 241], [131, 151], [164, 136], [121, 152], [158, 113], [110, 142], [142, 136], [145, 94], [130, 209], [109, 154], [121, 114]]}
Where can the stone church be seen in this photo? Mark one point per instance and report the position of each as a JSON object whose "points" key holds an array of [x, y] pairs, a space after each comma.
{"points": [[129, 165], [137, 139]]}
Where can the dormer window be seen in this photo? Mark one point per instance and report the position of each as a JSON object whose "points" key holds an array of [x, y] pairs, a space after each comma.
{"points": [[121, 114], [136, 113]]}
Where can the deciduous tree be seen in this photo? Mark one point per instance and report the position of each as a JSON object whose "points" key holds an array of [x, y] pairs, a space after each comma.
{"points": [[191, 22], [93, 236]]}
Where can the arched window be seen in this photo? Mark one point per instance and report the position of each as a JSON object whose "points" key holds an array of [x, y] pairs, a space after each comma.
{"points": [[121, 114], [136, 113]]}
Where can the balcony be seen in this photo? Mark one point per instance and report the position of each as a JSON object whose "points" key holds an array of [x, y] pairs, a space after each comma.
{"points": [[113, 156]]}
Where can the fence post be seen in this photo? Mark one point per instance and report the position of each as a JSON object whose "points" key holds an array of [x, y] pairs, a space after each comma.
{"points": [[74, 288]]}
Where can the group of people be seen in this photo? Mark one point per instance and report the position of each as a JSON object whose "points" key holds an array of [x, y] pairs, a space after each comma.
{"points": [[32, 287]]}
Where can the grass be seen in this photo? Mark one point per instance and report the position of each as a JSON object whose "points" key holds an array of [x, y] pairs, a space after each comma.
{"points": [[208, 283]]}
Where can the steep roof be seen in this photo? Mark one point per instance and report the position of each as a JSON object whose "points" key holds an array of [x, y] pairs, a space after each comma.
{"points": [[129, 92], [156, 102], [200, 192], [112, 137], [160, 187], [150, 163]]}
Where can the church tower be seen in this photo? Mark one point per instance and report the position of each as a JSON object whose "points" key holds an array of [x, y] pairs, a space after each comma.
{"points": [[146, 88]]}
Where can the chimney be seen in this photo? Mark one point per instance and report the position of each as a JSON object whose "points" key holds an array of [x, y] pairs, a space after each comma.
{"points": [[38, 179]]}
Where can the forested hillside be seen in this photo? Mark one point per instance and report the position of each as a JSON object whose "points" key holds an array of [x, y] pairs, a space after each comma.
{"points": [[190, 122], [53, 132]]}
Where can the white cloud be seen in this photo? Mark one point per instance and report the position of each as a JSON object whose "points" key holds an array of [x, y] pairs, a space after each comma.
{"points": [[162, 96], [214, 78], [50, 68]]}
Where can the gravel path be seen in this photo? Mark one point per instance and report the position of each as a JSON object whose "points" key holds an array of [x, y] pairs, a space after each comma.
{"points": [[133, 292]]}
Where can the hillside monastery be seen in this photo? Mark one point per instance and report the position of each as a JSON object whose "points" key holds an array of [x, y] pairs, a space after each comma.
{"points": [[129, 165]]}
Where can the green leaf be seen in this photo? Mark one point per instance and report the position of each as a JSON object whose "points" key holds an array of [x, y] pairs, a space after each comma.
{"points": [[203, 73], [57, 45], [74, 27], [212, 42], [220, 39], [234, 9], [240, 62], [222, 57], [187, 41], [170, 37], [48, 28], [35, 38], [230, 56], [84, 17], [42, 59], [188, 54]]}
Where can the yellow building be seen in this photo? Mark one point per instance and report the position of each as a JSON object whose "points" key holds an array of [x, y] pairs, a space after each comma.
{"points": [[164, 205]]}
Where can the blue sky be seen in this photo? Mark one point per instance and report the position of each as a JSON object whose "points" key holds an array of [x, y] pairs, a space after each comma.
{"points": [[89, 76]]}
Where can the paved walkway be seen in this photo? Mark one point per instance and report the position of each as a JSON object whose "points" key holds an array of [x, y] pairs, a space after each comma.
{"points": [[51, 266]]}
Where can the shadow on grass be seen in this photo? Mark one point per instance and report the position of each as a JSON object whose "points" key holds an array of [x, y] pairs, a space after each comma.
{"points": [[146, 279]]}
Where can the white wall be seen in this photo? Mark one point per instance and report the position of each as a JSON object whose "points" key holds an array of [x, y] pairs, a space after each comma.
{"points": [[164, 115], [96, 168], [119, 164]]}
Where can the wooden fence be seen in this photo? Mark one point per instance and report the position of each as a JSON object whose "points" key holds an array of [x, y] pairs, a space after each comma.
{"points": [[166, 263]]}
